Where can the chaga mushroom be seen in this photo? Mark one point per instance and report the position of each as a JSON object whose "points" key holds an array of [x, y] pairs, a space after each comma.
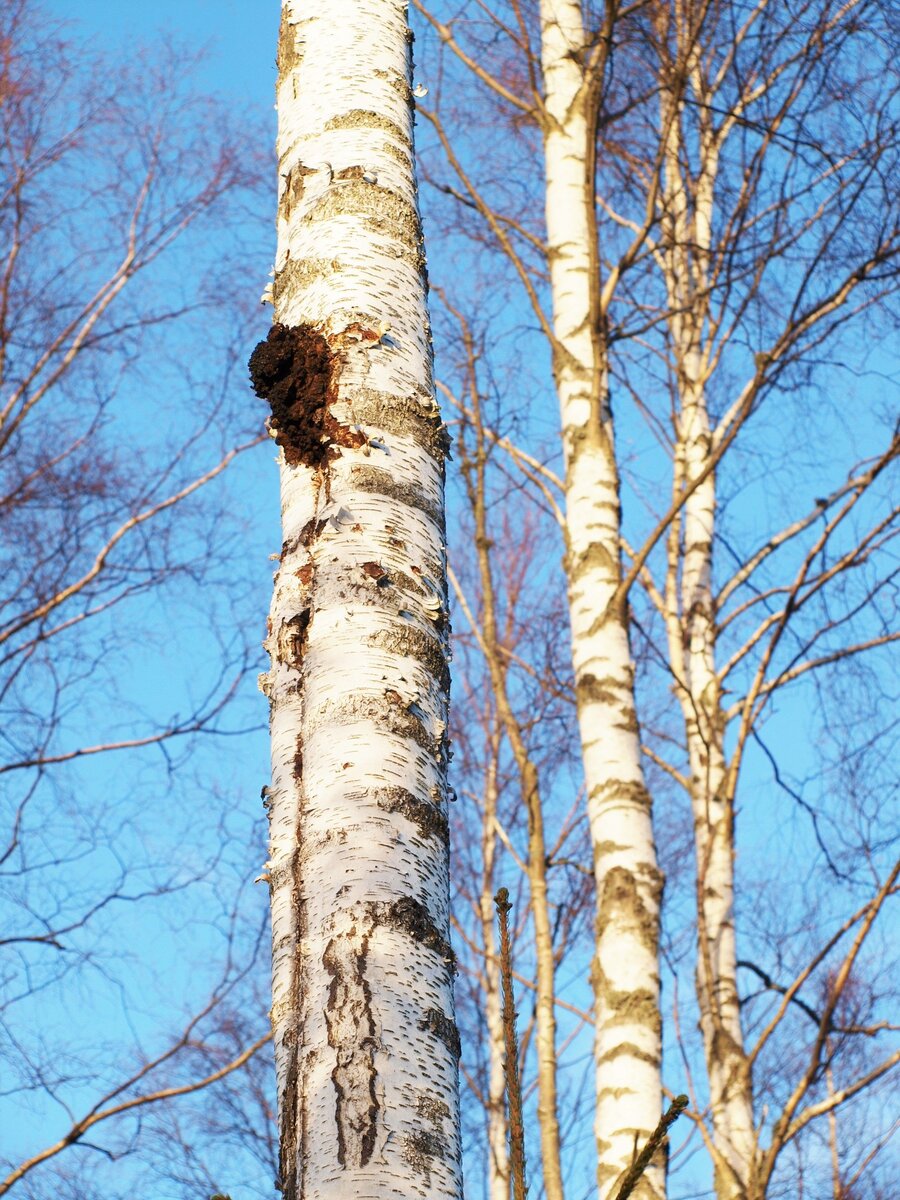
{"points": [[293, 369]]}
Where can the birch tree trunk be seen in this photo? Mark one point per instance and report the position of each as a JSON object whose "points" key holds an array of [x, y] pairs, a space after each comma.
{"points": [[365, 1041], [473, 470], [692, 643], [687, 216], [628, 882], [498, 1150]]}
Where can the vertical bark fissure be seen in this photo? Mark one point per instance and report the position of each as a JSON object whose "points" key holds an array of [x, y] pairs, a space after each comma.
{"points": [[366, 1046], [628, 881]]}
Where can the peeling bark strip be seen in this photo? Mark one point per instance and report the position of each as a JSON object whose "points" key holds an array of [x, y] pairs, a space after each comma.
{"points": [[366, 1048]]}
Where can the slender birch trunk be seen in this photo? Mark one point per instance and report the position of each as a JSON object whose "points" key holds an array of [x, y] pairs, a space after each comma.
{"points": [[687, 217], [529, 784], [365, 1042], [728, 1072], [498, 1149], [628, 882]]}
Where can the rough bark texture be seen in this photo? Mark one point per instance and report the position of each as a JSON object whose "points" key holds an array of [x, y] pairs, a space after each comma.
{"points": [[629, 884], [365, 1041]]}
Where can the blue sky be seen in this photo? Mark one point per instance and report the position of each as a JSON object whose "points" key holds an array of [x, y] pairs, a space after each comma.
{"points": [[142, 960], [239, 37]]}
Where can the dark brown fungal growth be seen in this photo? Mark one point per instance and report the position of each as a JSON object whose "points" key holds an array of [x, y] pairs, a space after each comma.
{"points": [[293, 369]]}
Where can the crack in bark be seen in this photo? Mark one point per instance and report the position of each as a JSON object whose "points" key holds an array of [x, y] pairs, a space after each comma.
{"points": [[351, 1034], [290, 1152], [292, 1107]]}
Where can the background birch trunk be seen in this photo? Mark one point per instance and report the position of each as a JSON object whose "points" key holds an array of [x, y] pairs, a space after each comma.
{"points": [[497, 1136], [686, 223], [472, 464], [628, 883], [697, 117], [365, 1041], [713, 262]]}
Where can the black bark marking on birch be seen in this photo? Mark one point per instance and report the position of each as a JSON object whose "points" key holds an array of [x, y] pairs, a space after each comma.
{"points": [[379, 208], [413, 918], [627, 791], [432, 1109], [351, 1034], [288, 56], [422, 1146], [362, 118], [406, 417], [425, 815], [389, 716], [381, 482], [444, 1029], [621, 902], [413, 643], [605, 690]]}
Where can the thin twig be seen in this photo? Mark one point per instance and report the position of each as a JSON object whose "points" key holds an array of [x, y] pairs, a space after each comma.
{"points": [[642, 1162]]}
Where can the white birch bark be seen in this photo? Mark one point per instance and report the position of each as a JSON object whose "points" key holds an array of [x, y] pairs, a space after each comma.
{"points": [[730, 1090], [365, 1042], [687, 217], [628, 882]]}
